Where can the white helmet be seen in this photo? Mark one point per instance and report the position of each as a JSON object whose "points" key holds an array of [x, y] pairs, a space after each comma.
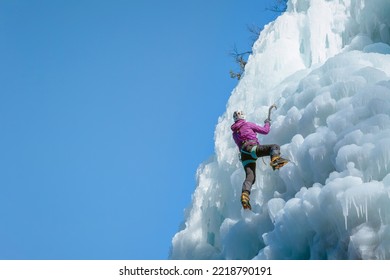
{"points": [[238, 115]]}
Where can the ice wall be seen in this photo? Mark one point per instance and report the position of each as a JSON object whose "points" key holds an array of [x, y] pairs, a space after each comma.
{"points": [[326, 65]]}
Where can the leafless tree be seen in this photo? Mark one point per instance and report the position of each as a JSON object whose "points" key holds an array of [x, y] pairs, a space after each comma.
{"points": [[241, 60], [279, 6]]}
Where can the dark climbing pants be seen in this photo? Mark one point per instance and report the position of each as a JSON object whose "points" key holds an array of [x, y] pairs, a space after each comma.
{"points": [[249, 161]]}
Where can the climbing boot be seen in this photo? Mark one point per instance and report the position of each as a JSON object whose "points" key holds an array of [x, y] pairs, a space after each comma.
{"points": [[277, 162], [245, 200]]}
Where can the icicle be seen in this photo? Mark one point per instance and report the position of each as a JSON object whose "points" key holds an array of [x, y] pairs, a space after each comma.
{"points": [[356, 207], [380, 216], [345, 222], [366, 201], [345, 213]]}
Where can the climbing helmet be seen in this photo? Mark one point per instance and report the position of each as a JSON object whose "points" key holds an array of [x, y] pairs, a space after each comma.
{"points": [[238, 115]]}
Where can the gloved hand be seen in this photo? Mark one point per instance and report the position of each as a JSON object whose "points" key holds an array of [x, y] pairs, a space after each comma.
{"points": [[267, 120]]}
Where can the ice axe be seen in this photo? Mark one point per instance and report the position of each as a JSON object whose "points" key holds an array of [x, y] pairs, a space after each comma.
{"points": [[269, 111]]}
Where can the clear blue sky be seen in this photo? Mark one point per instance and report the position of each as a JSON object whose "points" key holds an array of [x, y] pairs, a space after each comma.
{"points": [[107, 108]]}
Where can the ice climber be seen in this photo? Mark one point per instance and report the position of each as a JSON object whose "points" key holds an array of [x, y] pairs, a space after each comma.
{"points": [[245, 136]]}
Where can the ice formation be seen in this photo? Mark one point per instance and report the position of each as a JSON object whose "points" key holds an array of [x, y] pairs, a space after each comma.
{"points": [[326, 65]]}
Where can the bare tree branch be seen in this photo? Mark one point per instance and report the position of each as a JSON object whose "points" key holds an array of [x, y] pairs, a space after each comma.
{"points": [[279, 6], [240, 60]]}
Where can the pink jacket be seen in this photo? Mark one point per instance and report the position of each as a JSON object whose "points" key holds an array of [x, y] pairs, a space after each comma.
{"points": [[244, 131]]}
